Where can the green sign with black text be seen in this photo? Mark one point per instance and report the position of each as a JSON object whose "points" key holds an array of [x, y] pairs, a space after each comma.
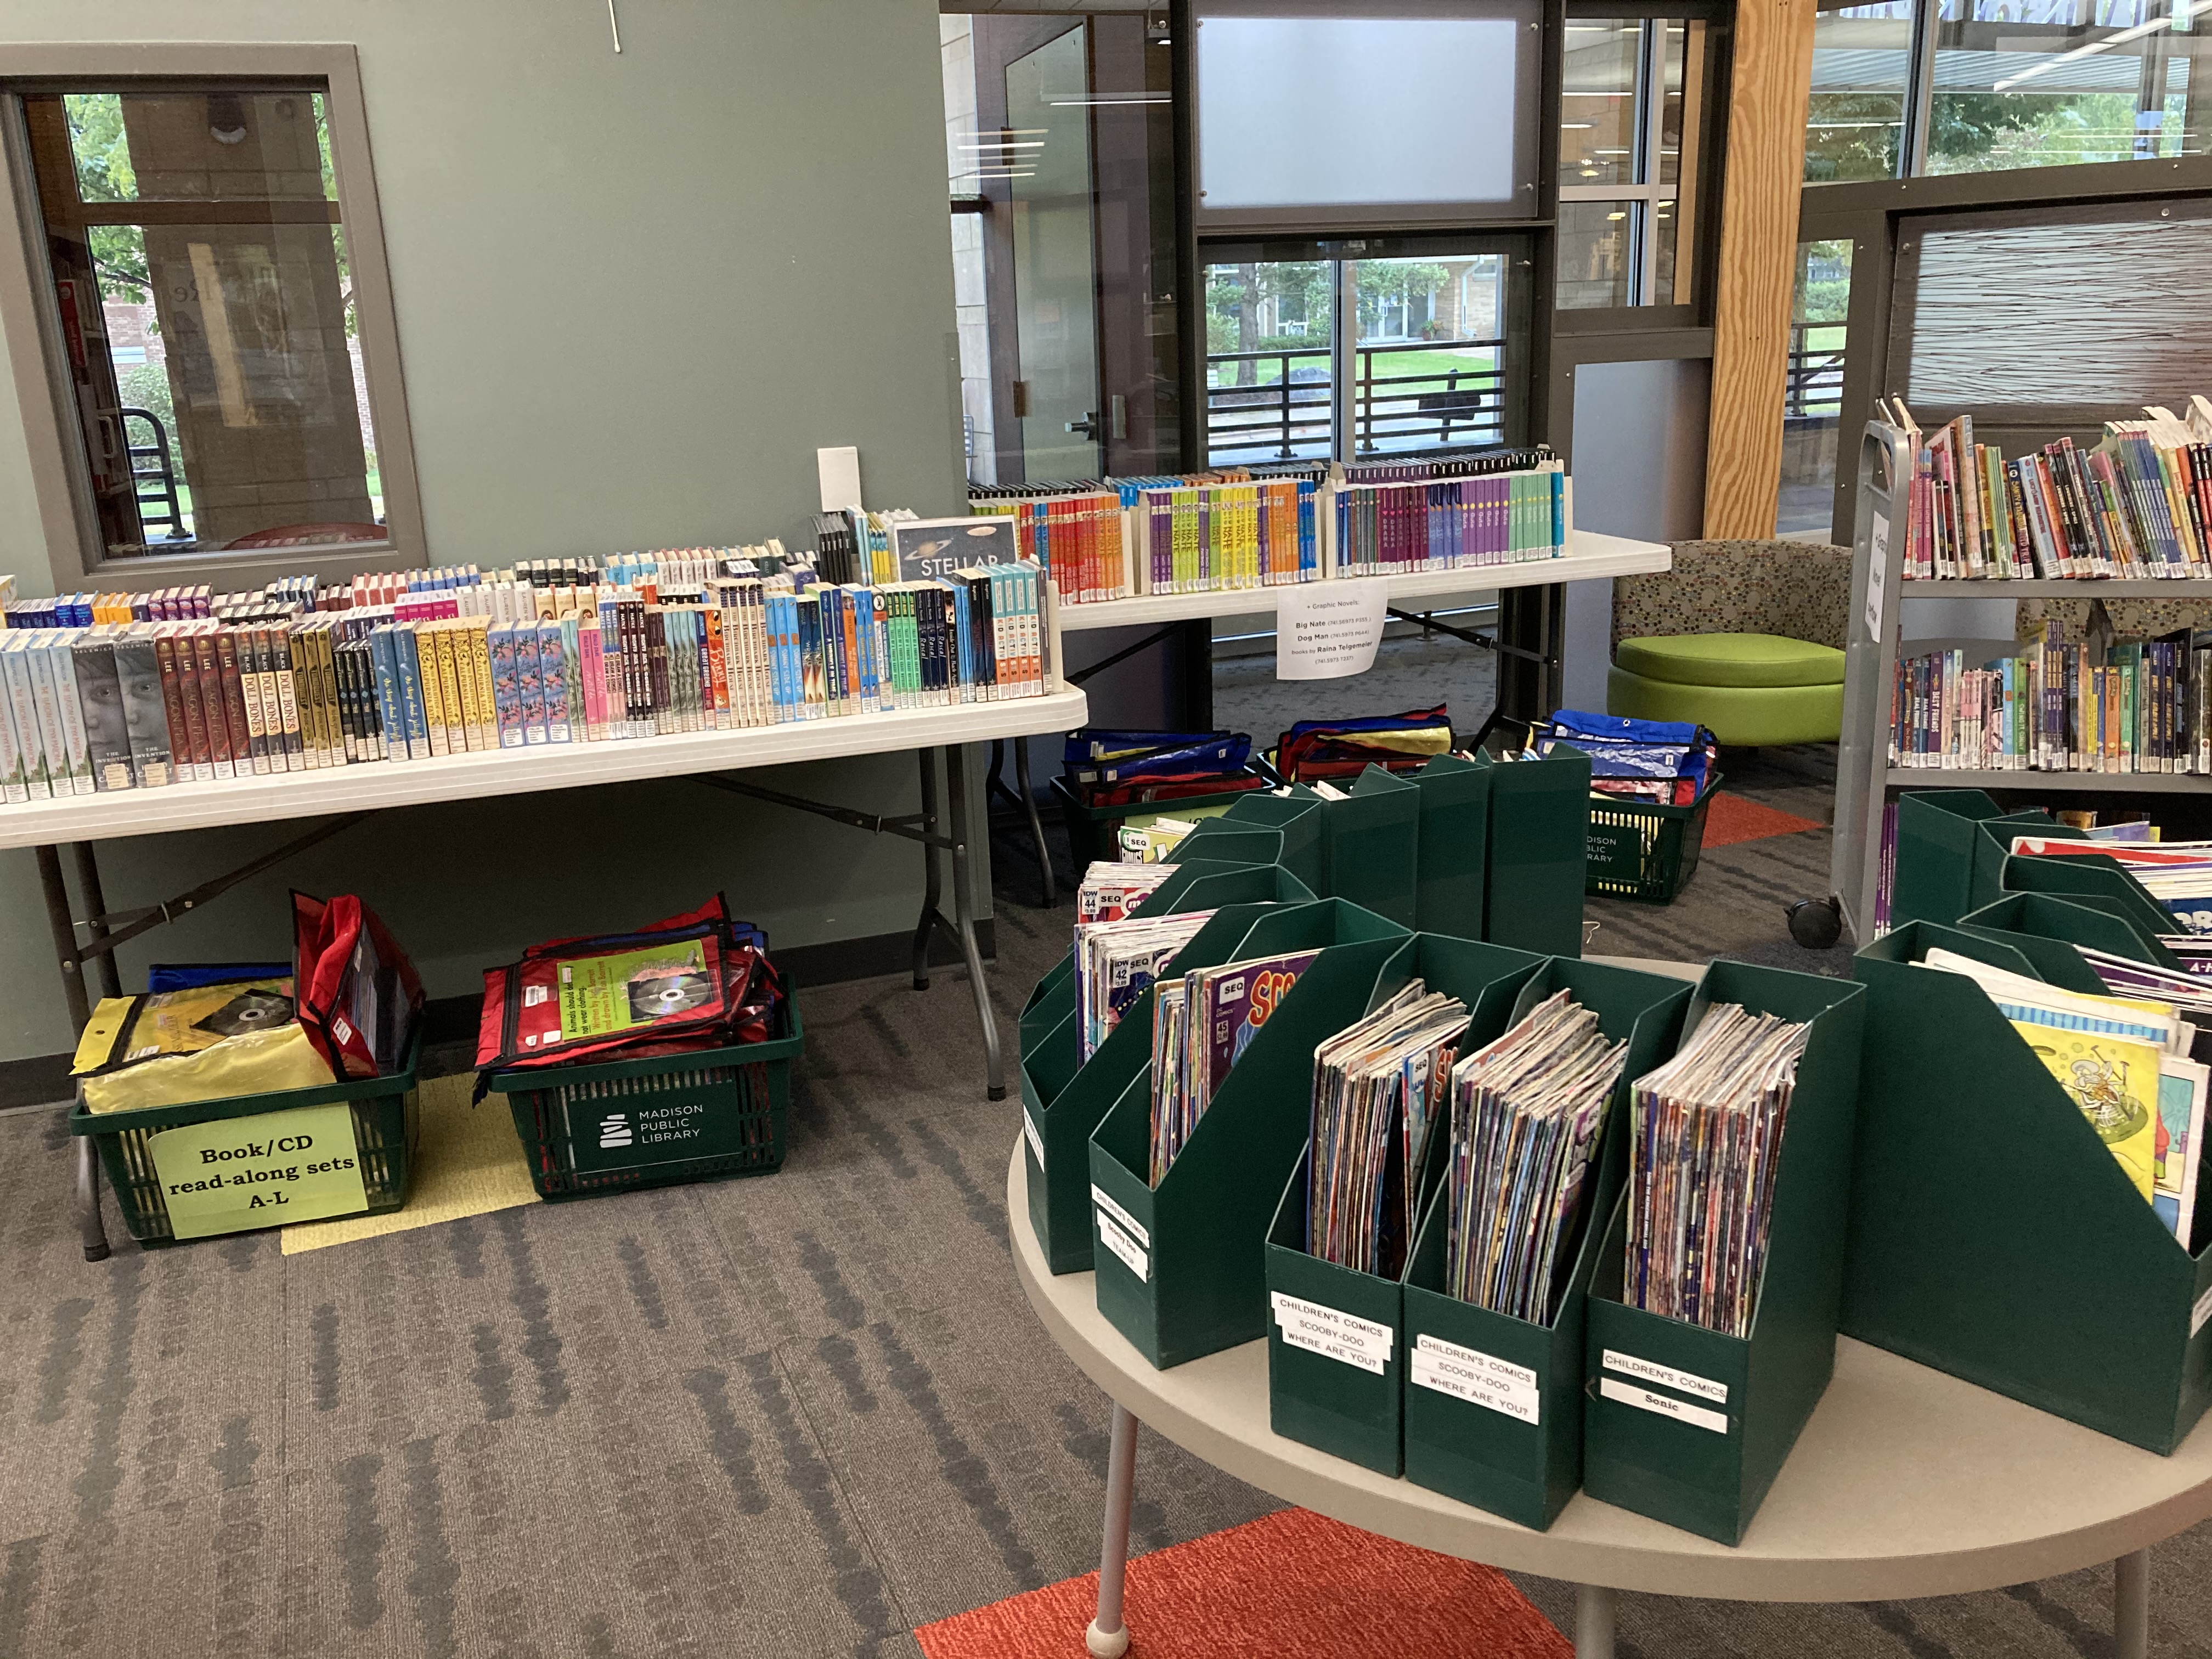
{"points": [[264, 1171]]}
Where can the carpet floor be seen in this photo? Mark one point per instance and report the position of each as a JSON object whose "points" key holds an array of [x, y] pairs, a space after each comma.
{"points": [[795, 1416]]}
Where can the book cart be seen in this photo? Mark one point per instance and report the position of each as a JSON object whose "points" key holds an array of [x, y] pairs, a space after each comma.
{"points": [[1903, 1480], [85, 943], [1865, 780]]}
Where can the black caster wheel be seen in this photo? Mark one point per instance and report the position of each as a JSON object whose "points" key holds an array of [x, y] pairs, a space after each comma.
{"points": [[1816, 924]]}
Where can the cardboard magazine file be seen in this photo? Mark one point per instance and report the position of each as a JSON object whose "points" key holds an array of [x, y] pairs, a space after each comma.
{"points": [[1335, 1352], [1296, 813], [1455, 846], [1993, 1235], [1539, 851], [1063, 1098], [2045, 928], [1182, 1268], [1940, 845], [2090, 876], [1509, 1438], [1688, 1425]]}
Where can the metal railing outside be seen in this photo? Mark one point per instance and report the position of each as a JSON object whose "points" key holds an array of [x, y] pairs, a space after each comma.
{"points": [[1285, 411], [1815, 384]]}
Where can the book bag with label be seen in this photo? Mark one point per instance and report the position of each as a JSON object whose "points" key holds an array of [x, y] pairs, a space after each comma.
{"points": [[357, 994]]}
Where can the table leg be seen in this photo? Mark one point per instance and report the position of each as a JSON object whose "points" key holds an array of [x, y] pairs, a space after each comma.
{"points": [[91, 1229], [1108, 1635], [2131, 1606], [963, 918], [1593, 1622], [925, 929], [1037, 824], [96, 906]]}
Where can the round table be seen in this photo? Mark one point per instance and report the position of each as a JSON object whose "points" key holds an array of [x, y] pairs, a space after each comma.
{"points": [[1905, 1482]]}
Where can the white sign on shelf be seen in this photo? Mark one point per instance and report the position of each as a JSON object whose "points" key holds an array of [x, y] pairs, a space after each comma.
{"points": [[1877, 571], [1326, 630], [840, 471]]}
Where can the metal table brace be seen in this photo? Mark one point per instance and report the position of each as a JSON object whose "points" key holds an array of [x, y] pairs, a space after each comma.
{"points": [[1108, 1635], [106, 931]]}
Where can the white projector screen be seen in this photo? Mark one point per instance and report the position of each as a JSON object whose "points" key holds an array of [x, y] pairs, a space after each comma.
{"points": [[1297, 111]]}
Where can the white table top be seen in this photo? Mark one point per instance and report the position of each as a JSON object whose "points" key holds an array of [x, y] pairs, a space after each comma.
{"points": [[1592, 556], [518, 771], [1906, 1481]]}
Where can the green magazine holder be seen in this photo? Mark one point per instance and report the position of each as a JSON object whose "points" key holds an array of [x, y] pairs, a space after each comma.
{"points": [[1063, 1098], [1946, 862], [1225, 840], [1522, 1469], [2045, 928], [1666, 1461], [1992, 1234], [1455, 846], [1298, 815], [1372, 841], [1335, 1404], [1201, 1236], [2090, 876], [1539, 852], [1207, 884]]}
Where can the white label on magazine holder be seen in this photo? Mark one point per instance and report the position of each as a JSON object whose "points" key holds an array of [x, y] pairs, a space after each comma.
{"points": [[1663, 1404], [1036, 1140], [1666, 1376], [1130, 1225], [2199, 1314], [1332, 1332], [1480, 1379], [1131, 1253]]}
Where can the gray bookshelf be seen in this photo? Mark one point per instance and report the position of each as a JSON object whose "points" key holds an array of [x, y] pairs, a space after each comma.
{"points": [[1864, 777]]}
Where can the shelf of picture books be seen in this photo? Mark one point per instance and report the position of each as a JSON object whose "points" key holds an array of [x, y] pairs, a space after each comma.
{"points": [[1950, 852], [1488, 1272], [112, 692], [230, 1097], [2025, 1193], [1119, 539], [2136, 508]]}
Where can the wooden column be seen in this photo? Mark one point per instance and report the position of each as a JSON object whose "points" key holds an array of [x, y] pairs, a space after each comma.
{"points": [[1770, 84]]}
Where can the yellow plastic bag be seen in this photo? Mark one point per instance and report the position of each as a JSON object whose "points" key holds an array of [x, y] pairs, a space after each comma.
{"points": [[210, 1042], [257, 1063]]}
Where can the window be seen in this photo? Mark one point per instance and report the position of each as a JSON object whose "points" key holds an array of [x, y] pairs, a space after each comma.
{"points": [[2002, 83], [211, 306], [1631, 112], [1813, 394], [1419, 365]]}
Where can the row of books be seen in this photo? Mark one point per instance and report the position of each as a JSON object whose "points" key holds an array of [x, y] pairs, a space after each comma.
{"points": [[1524, 1116], [1118, 538], [1202, 1022], [2131, 706], [2138, 506], [1116, 961], [144, 704], [2177, 874]]}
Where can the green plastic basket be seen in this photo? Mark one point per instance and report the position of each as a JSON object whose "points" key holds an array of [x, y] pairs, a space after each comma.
{"points": [[708, 1116], [1092, 830], [386, 1124], [1642, 851]]}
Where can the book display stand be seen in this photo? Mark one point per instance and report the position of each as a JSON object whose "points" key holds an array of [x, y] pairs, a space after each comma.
{"points": [[1690, 1426], [2045, 930], [1993, 1235], [1451, 874], [344, 796]]}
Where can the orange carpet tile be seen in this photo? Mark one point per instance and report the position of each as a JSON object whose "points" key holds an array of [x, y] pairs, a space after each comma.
{"points": [[1731, 818], [1290, 1585]]}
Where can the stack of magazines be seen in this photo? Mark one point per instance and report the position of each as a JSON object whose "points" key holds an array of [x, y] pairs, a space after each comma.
{"points": [[1527, 1112], [1706, 1138], [1201, 1025], [1116, 961], [1377, 1085], [1110, 891]]}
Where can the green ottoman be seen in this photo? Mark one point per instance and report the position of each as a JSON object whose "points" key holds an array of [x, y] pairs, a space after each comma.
{"points": [[1751, 689]]}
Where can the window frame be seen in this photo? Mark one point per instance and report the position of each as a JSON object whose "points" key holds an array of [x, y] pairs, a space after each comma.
{"points": [[59, 473]]}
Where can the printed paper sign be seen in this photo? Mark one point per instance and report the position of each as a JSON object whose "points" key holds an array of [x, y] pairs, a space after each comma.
{"points": [[1664, 1404], [840, 471], [1479, 1378], [1666, 1376], [1132, 1253], [2200, 1313], [1325, 630], [1130, 1225], [1332, 1332], [263, 1171], [927, 548], [1877, 573], [1036, 1140]]}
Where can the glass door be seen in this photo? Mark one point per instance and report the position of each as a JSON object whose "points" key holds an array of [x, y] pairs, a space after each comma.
{"points": [[1046, 148]]}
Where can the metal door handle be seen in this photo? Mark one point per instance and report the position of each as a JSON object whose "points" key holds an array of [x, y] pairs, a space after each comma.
{"points": [[1088, 425]]}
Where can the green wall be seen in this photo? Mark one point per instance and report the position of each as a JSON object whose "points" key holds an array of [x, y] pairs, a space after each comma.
{"points": [[633, 294]]}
